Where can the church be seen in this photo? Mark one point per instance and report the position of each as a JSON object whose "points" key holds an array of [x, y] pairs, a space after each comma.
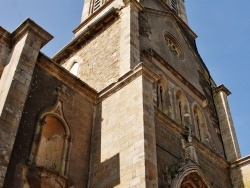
{"points": [[127, 103]]}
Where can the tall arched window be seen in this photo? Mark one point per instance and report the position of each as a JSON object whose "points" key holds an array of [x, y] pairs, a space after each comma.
{"points": [[74, 68], [162, 96], [201, 130], [182, 109], [159, 96]]}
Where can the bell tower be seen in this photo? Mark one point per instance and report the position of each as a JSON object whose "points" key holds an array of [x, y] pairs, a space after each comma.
{"points": [[155, 119]]}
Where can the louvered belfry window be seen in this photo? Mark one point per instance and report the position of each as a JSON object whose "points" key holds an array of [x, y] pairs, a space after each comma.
{"points": [[96, 5], [174, 5]]}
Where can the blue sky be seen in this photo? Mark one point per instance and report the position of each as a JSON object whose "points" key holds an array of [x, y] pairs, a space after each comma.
{"points": [[222, 27]]}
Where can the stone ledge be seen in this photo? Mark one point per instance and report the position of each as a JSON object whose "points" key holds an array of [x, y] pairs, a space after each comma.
{"points": [[139, 70], [221, 88], [244, 161], [30, 26], [5, 36]]}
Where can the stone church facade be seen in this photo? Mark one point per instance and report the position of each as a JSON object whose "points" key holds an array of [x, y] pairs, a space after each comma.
{"points": [[127, 103]]}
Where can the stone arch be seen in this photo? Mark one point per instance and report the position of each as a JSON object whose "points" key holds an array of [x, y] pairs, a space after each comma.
{"points": [[73, 65], [182, 109], [201, 130], [162, 95], [191, 177], [50, 148]]}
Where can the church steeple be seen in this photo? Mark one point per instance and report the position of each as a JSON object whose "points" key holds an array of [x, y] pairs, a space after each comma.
{"points": [[178, 7], [92, 6]]}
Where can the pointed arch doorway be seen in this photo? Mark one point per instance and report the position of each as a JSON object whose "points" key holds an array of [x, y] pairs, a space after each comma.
{"points": [[193, 180]]}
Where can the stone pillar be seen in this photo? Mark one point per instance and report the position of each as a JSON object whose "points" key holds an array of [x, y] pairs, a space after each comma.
{"points": [[129, 40], [228, 134], [15, 81]]}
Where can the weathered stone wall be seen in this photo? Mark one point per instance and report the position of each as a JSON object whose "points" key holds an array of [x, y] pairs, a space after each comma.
{"points": [[78, 112], [14, 84], [170, 154], [122, 145], [240, 172], [99, 58], [153, 26]]}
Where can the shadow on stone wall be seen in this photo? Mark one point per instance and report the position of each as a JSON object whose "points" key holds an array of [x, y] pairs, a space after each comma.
{"points": [[107, 173]]}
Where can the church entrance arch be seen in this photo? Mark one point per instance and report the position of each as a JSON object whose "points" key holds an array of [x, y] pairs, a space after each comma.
{"points": [[193, 180]]}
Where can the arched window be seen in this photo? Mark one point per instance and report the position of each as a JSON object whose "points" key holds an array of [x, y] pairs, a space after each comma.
{"points": [[182, 109], [159, 96], [74, 68], [162, 97], [201, 130], [173, 45]]}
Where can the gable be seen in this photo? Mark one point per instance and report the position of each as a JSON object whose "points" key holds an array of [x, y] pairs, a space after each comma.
{"points": [[159, 27]]}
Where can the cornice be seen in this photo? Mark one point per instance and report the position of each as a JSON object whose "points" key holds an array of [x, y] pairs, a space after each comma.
{"points": [[30, 26], [5, 37], [66, 77], [221, 88], [85, 35], [138, 6], [151, 54], [139, 70], [92, 16], [244, 161]]}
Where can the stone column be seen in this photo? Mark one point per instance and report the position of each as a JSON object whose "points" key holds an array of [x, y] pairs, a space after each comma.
{"points": [[228, 134], [26, 41]]}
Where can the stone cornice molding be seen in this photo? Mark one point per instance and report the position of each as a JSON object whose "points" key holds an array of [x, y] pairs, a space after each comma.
{"points": [[67, 78], [221, 88], [30, 26], [85, 35], [5, 37], [135, 4], [152, 56], [139, 70], [241, 162], [92, 16]]}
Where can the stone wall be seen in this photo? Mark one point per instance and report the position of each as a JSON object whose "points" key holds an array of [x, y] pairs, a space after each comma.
{"points": [[99, 58], [123, 142], [27, 40], [240, 172], [77, 108], [171, 154]]}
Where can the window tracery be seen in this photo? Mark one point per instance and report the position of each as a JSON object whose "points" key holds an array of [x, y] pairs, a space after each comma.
{"points": [[173, 45]]}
